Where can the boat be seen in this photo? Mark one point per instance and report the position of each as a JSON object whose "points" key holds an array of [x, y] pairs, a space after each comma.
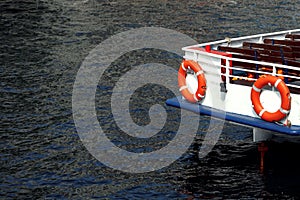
{"points": [[252, 81]]}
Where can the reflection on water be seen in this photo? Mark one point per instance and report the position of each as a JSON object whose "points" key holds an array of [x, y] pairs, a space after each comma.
{"points": [[42, 46]]}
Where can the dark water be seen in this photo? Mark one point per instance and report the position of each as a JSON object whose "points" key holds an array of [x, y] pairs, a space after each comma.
{"points": [[43, 44]]}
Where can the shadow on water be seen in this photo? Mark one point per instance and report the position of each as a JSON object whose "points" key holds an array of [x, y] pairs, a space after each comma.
{"points": [[232, 168], [232, 171], [282, 174]]}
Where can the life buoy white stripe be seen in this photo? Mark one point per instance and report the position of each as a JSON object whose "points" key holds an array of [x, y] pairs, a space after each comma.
{"points": [[199, 72], [182, 65], [262, 112], [195, 97], [183, 88], [201, 96], [277, 82], [256, 89], [284, 111]]}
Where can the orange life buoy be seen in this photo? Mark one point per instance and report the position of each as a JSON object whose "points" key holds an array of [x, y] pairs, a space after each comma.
{"points": [[183, 88], [284, 93]]}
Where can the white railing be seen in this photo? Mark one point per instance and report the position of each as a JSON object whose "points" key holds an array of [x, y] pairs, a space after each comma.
{"points": [[198, 55], [205, 57], [275, 69]]}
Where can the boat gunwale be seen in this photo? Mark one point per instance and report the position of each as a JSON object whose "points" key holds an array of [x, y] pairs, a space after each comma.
{"points": [[243, 60], [260, 36], [278, 33]]}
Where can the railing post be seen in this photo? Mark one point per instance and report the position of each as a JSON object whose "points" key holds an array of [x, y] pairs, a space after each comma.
{"points": [[274, 71], [227, 70], [274, 74], [195, 57]]}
